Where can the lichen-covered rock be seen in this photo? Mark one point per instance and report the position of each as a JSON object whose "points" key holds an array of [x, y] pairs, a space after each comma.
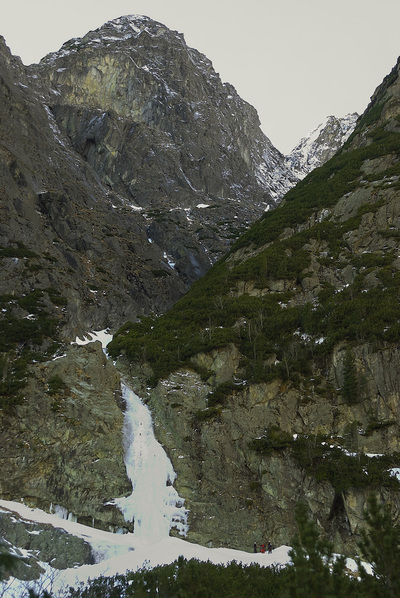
{"points": [[63, 444], [45, 543], [237, 496]]}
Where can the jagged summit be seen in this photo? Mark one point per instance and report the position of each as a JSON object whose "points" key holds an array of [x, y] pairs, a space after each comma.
{"points": [[122, 29], [183, 83], [153, 119], [321, 144], [125, 142]]}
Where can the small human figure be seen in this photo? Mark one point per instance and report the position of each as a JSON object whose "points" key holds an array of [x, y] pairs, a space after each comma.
{"points": [[262, 548], [269, 547], [255, 546]]}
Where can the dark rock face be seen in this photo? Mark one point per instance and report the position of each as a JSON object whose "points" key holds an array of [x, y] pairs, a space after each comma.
{"points": [[63, 445], [300, 343], [45, 542], [155, 122], [128, 168], [80, 238]]}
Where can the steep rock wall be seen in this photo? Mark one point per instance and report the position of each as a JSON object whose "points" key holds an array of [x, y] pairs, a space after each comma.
{"points": [[79, 238], [236, 496], [64, 446], [154, 120]]}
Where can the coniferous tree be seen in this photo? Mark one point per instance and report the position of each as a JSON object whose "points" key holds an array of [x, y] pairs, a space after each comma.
{"points": [[316, 572], [350, 387], [313, 562], [8, 562], [380, 546]]}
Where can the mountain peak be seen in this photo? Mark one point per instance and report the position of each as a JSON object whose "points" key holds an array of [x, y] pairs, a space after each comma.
{"points": [[156, 123], [120, 32], [321, 144], [137, 24]]}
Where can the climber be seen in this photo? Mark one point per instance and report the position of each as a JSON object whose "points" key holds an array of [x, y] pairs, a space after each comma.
{"points": [[262, 548], [269, 548]]}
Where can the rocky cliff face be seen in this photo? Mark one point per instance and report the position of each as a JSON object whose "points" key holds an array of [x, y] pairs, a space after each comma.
{"points": [[45, 543], [288, 387], [63, 446], [61, 228], [118, 157], [155, 122], [221, 470], [126, 167], [321, 144]]}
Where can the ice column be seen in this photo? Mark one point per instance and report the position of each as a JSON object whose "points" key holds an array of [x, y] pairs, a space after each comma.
{"points": [[154, 504]]}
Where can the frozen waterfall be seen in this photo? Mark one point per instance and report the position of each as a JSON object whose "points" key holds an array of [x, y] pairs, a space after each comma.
{"points": [[154, 504]]}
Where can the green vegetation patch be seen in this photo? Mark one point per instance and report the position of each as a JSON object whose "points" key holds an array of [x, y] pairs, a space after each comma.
{"points": [[56, 385], [190, 579], [275, 440], [344, 470], [160, 273], [378, 425], [279, 339], [327, 461], [25, 339], [219, 394], [18, 251], [206, 414], [276, 340], [320, 189]]}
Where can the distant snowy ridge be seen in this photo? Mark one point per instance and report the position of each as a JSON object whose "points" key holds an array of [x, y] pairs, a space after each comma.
{"points": [[321, 144]]}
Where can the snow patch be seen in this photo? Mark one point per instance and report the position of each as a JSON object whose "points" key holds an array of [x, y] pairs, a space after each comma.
{"points": [[120, 553], [103, 336], [395, 471], [320, 144], [169, 259]]}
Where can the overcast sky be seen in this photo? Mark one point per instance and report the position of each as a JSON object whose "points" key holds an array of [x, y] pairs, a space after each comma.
{"points": [[295, 61]]}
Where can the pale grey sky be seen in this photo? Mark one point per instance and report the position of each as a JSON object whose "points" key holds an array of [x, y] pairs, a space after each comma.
{"points": [[295, 61]]}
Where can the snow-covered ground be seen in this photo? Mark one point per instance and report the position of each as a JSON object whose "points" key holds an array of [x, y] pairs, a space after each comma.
{"points": [[154, 505], [120, 553]]}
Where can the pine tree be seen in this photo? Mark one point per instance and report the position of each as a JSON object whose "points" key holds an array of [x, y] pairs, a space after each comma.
{"points": [[8, 562], [315, 573], [350, 387], [380, 547]]}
